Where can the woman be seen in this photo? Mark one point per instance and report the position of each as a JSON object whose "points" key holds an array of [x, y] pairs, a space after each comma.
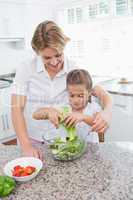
{"points": [[41, 82]]}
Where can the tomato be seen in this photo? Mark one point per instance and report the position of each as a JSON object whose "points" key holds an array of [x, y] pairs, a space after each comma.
{"points": [[23, 171], [14, 173], [17, 167], [18, 171], [29, 169], [24, 174]]}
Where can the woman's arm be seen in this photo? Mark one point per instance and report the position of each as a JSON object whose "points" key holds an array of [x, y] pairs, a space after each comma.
{"points": [[17, 111], [102, 119], [104, 97], [88, 119]]}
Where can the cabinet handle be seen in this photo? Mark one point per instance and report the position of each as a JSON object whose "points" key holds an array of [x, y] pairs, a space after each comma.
{"points": [[3, 122], [7, 122]]}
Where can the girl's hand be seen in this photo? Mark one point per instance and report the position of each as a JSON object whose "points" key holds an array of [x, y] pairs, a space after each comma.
{"points": [[101, 121], [73, 118], [54, 116]]}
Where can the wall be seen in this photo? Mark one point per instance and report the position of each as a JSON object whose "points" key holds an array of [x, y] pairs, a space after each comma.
{"points": [[34, 14], [19, 19]]}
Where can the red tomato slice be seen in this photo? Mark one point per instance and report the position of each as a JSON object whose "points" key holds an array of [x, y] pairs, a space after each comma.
{"points": [[17, 167], [31, 168], [23, 171], [16, 174], [24, 174]]}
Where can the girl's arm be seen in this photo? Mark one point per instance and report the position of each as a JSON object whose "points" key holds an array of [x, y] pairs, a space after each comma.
{"points": [[48, 113], [75, 117], [41, 114]]}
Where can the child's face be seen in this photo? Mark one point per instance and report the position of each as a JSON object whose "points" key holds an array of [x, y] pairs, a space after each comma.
{"points": [[78, 96]]}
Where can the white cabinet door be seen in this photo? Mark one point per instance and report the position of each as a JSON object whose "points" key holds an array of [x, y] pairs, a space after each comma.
{"points": [[36, 13], [121, 128], [6, 128], [11, 20]]}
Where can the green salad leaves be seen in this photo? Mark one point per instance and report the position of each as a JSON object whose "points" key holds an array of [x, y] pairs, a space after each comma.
{"points": [[70, 147]]}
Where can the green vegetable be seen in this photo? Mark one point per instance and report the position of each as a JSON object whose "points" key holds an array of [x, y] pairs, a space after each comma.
{"points": [[70, 130], [7, 184], [68, 150], [70, 147], [65, 110]]}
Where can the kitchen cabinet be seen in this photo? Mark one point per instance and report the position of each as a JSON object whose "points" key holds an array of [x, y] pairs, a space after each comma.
{"points": [[6, 129], [36, 13], [121, 128], [18, 19], [11, 19]]}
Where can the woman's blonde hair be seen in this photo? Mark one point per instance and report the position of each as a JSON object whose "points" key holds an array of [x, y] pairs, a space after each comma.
{"points": [[49, 35]]}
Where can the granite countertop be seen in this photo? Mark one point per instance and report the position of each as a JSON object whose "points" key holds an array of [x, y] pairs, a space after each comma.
{"points": [[104, 172]]}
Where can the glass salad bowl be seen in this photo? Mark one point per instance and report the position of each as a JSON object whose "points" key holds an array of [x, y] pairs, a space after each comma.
{"points": [[65, 143]]}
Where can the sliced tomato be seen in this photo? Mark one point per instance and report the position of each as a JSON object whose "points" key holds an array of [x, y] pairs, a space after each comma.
{"points": [[23, 171], [30, 169], [24, 174], [18, 170], [14, 173], [17, 167]]}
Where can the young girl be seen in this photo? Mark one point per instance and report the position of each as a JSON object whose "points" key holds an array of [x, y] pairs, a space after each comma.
{"points": [[79, 87]]}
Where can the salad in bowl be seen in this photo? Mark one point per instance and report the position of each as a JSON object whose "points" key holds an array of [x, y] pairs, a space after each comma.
{"points": [[65, 143]]}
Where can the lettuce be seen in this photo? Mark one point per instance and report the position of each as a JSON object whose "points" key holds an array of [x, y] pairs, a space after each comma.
{"points": [[70, 147]]}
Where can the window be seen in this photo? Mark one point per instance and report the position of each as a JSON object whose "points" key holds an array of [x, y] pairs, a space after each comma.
{"points": [[131, 6], [121, 7], [76, 49], [93, 10], [100, 41], [79, 15], [71, 17], [104, 7]]}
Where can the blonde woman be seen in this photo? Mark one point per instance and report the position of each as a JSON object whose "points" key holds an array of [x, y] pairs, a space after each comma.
{"points": [[41, 82]]}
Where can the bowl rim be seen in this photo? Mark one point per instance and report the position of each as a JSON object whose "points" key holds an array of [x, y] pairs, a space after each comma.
{"points": [[5, 168]]}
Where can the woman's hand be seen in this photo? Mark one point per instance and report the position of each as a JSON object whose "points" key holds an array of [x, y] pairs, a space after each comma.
{"points": [[29, 150], [73, 118], [54, 116], [101, 121]]}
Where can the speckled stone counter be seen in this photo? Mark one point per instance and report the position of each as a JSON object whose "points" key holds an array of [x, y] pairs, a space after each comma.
{"points": [[104, 172]]}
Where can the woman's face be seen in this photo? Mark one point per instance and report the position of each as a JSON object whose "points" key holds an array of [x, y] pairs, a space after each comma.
{"points": [[52, 59], [78, 96]]}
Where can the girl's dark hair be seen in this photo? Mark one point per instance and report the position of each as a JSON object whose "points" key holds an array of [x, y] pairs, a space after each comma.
{"points": [[79, 76]]}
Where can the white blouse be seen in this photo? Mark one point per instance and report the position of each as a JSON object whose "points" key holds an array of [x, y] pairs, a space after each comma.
{"points": [[33, 81]]}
